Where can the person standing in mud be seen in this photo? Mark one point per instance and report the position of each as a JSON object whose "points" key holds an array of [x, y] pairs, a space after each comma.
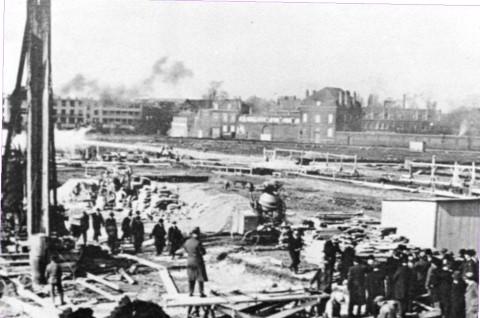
{"points": [[53, 274], [84, 226], [196, 270], [175, 238], [127, 227], [158, 235], [138, 233], [112, 232], [295, 245], [97, 222]]}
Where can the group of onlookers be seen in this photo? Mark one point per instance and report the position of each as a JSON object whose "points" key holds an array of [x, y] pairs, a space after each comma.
{"points": [[407, 279]]}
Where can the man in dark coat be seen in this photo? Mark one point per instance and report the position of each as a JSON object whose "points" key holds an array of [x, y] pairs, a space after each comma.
{"points": [[356, 287], [470, 264], [295, 245], [138, 233], [84, 225], [391, 265], [175, 238], [158, 235], [196, 271], [97, 222], [112, 232], [330, 250], [375, 286], [457, 296], [346, 262], [53, 274], [127, 227], [432, 281], [421, 269], [445, 289], [400, 288]]}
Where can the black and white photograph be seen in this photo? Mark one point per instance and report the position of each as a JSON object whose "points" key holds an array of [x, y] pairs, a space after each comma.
{"points": [[240, 159]]}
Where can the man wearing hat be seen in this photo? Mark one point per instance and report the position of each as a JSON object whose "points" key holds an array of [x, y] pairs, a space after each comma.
{"points": [[175, 238], [127, 227], [112, 232], [158, 235], [375, 286], [195, 265], [356, 287], [295, 245], [97, 222], [138, 233]]}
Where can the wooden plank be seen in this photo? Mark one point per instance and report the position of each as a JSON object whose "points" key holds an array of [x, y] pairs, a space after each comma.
{"points": [[100, 291], [167, 279], [46, 304], [104, 282], [185, 300], [230, 312], [293, 311], [126, 276]]}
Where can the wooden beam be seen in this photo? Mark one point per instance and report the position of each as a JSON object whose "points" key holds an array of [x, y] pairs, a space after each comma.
{"points": [[295, 310], [104, 282], [126, 276], [167, 279], [98, 290], [231, 312], [185, 300]]}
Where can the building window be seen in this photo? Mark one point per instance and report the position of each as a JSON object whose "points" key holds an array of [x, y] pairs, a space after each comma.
{"points": [[330, 132], [305, 117], [95, 112], [215, 105], [232, 118], [317, 118], [64, 102], [232, 127], [225, 117], [225, 128], [216, 116], [330, 118], [63, 111], [319, 103]]}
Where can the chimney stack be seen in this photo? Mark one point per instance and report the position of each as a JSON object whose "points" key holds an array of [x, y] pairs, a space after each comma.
{"points": [[307, 93], [404, 101]]}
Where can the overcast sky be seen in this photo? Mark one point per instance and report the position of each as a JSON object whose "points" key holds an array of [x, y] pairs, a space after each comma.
{"points": [[261, 49]]}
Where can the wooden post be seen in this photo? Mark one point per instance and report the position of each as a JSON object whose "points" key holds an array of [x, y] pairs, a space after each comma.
{"points": [[39, 134]]}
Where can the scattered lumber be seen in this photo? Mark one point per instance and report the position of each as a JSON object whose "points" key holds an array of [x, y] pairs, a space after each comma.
{"points": [[100, 291], [29, 309], [100, 280], [185, 300], [294, 310], [231, 312], [167, 279], [126, 276]]}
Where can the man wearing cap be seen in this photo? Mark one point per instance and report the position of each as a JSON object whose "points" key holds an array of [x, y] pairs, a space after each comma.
{"points": [[158, 235], [97, 222], [470, 264], [195, 265], [375, 286], [175, 238], [127, 227], [471, 296], [112, 232], [457, 296], [53, 274], [138, 233], [294, 247], [84, 226]]}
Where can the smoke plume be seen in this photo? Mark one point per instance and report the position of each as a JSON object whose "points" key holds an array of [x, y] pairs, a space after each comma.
{"points": [[161, 71]]}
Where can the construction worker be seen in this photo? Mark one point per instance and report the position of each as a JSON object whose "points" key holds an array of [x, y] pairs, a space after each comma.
{"points": [[127, 227], [294, 247], [175, 238], [356, 287], [138, 232], [112, 232], [195, 265], [97, 222], [84, 226], [158, 235], [53, 274]]}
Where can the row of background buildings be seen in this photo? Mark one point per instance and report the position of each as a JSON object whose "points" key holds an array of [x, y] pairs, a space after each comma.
{"points": [[316, 117]]}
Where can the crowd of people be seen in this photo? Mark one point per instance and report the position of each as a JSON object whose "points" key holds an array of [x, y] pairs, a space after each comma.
{"points": [[407, 279]]}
